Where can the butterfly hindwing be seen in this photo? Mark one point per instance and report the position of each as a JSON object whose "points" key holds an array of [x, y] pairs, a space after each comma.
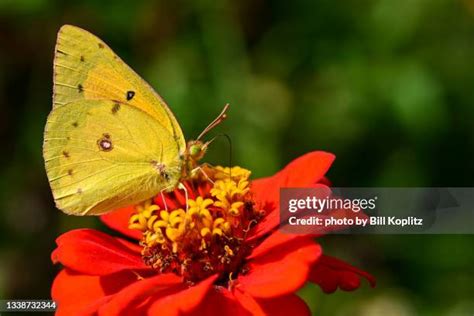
{"points": [[102, 155]]}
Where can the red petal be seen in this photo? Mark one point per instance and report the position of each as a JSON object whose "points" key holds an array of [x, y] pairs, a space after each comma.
{"points": [[220, 301], [78, 294], [325, 277], [272, 219], [326, 181], [330, 273], [184, 301], [136, 248], [118, 220], [95, 253], [134, 295], [280, 272], [284, 306], [307, 169], [249, 303], [304, 171], [274, 241], [301, 172]]}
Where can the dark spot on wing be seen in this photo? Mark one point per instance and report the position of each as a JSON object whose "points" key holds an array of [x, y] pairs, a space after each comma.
{"points": [[115, 108], [61, 52], [79, 191], [75, 124], [80, 88], [82, 58], [130, 95], [105, 143], [101, 45], [66, 154], [69, 172]]}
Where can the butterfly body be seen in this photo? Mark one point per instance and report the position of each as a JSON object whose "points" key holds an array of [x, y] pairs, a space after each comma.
{"points": [[110, 140]]}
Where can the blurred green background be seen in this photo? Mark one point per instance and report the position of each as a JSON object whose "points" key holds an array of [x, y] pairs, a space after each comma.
{"points": [[385, 85]]}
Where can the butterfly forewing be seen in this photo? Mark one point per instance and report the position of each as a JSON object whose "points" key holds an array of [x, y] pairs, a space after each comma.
{"points": [[85, 68], [110, 140]]}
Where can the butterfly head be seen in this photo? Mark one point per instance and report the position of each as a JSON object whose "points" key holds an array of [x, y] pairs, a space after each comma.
{"points": [[196, 149]]}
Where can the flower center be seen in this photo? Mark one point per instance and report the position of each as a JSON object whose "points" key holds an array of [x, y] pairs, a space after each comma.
{"points": [[204, 235]]}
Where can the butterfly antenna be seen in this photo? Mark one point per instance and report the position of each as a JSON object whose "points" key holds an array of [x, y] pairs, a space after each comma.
{"points": [[221, 117]]}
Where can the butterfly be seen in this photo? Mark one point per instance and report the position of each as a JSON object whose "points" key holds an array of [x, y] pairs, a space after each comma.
{"points": [[110, 140]]}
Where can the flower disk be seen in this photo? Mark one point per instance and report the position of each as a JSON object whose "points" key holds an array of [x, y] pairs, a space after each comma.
{"points": [[203, 235]]}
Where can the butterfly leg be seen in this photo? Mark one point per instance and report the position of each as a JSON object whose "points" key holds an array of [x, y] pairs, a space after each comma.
{"points": [[182, 187], [163, 199], [199, 168]]}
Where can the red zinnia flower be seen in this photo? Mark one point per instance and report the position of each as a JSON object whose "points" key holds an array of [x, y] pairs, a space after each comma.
{"points": [[222, 256]]}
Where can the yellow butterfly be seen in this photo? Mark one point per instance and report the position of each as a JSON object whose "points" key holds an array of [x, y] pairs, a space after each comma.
{"points": [[110, 140]]}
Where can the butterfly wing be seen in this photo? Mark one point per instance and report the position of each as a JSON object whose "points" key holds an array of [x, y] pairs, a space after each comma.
{"points": [[85, 68], [102, 155]]}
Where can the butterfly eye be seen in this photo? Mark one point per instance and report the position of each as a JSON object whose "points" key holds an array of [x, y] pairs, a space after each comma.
{"points": [[195, 150]]}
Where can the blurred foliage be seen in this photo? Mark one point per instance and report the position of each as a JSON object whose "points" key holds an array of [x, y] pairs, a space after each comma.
{"points": [[385, 85]]}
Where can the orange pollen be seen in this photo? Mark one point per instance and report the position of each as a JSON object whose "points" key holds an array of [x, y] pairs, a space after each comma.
{"points": [[204, 235]]}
